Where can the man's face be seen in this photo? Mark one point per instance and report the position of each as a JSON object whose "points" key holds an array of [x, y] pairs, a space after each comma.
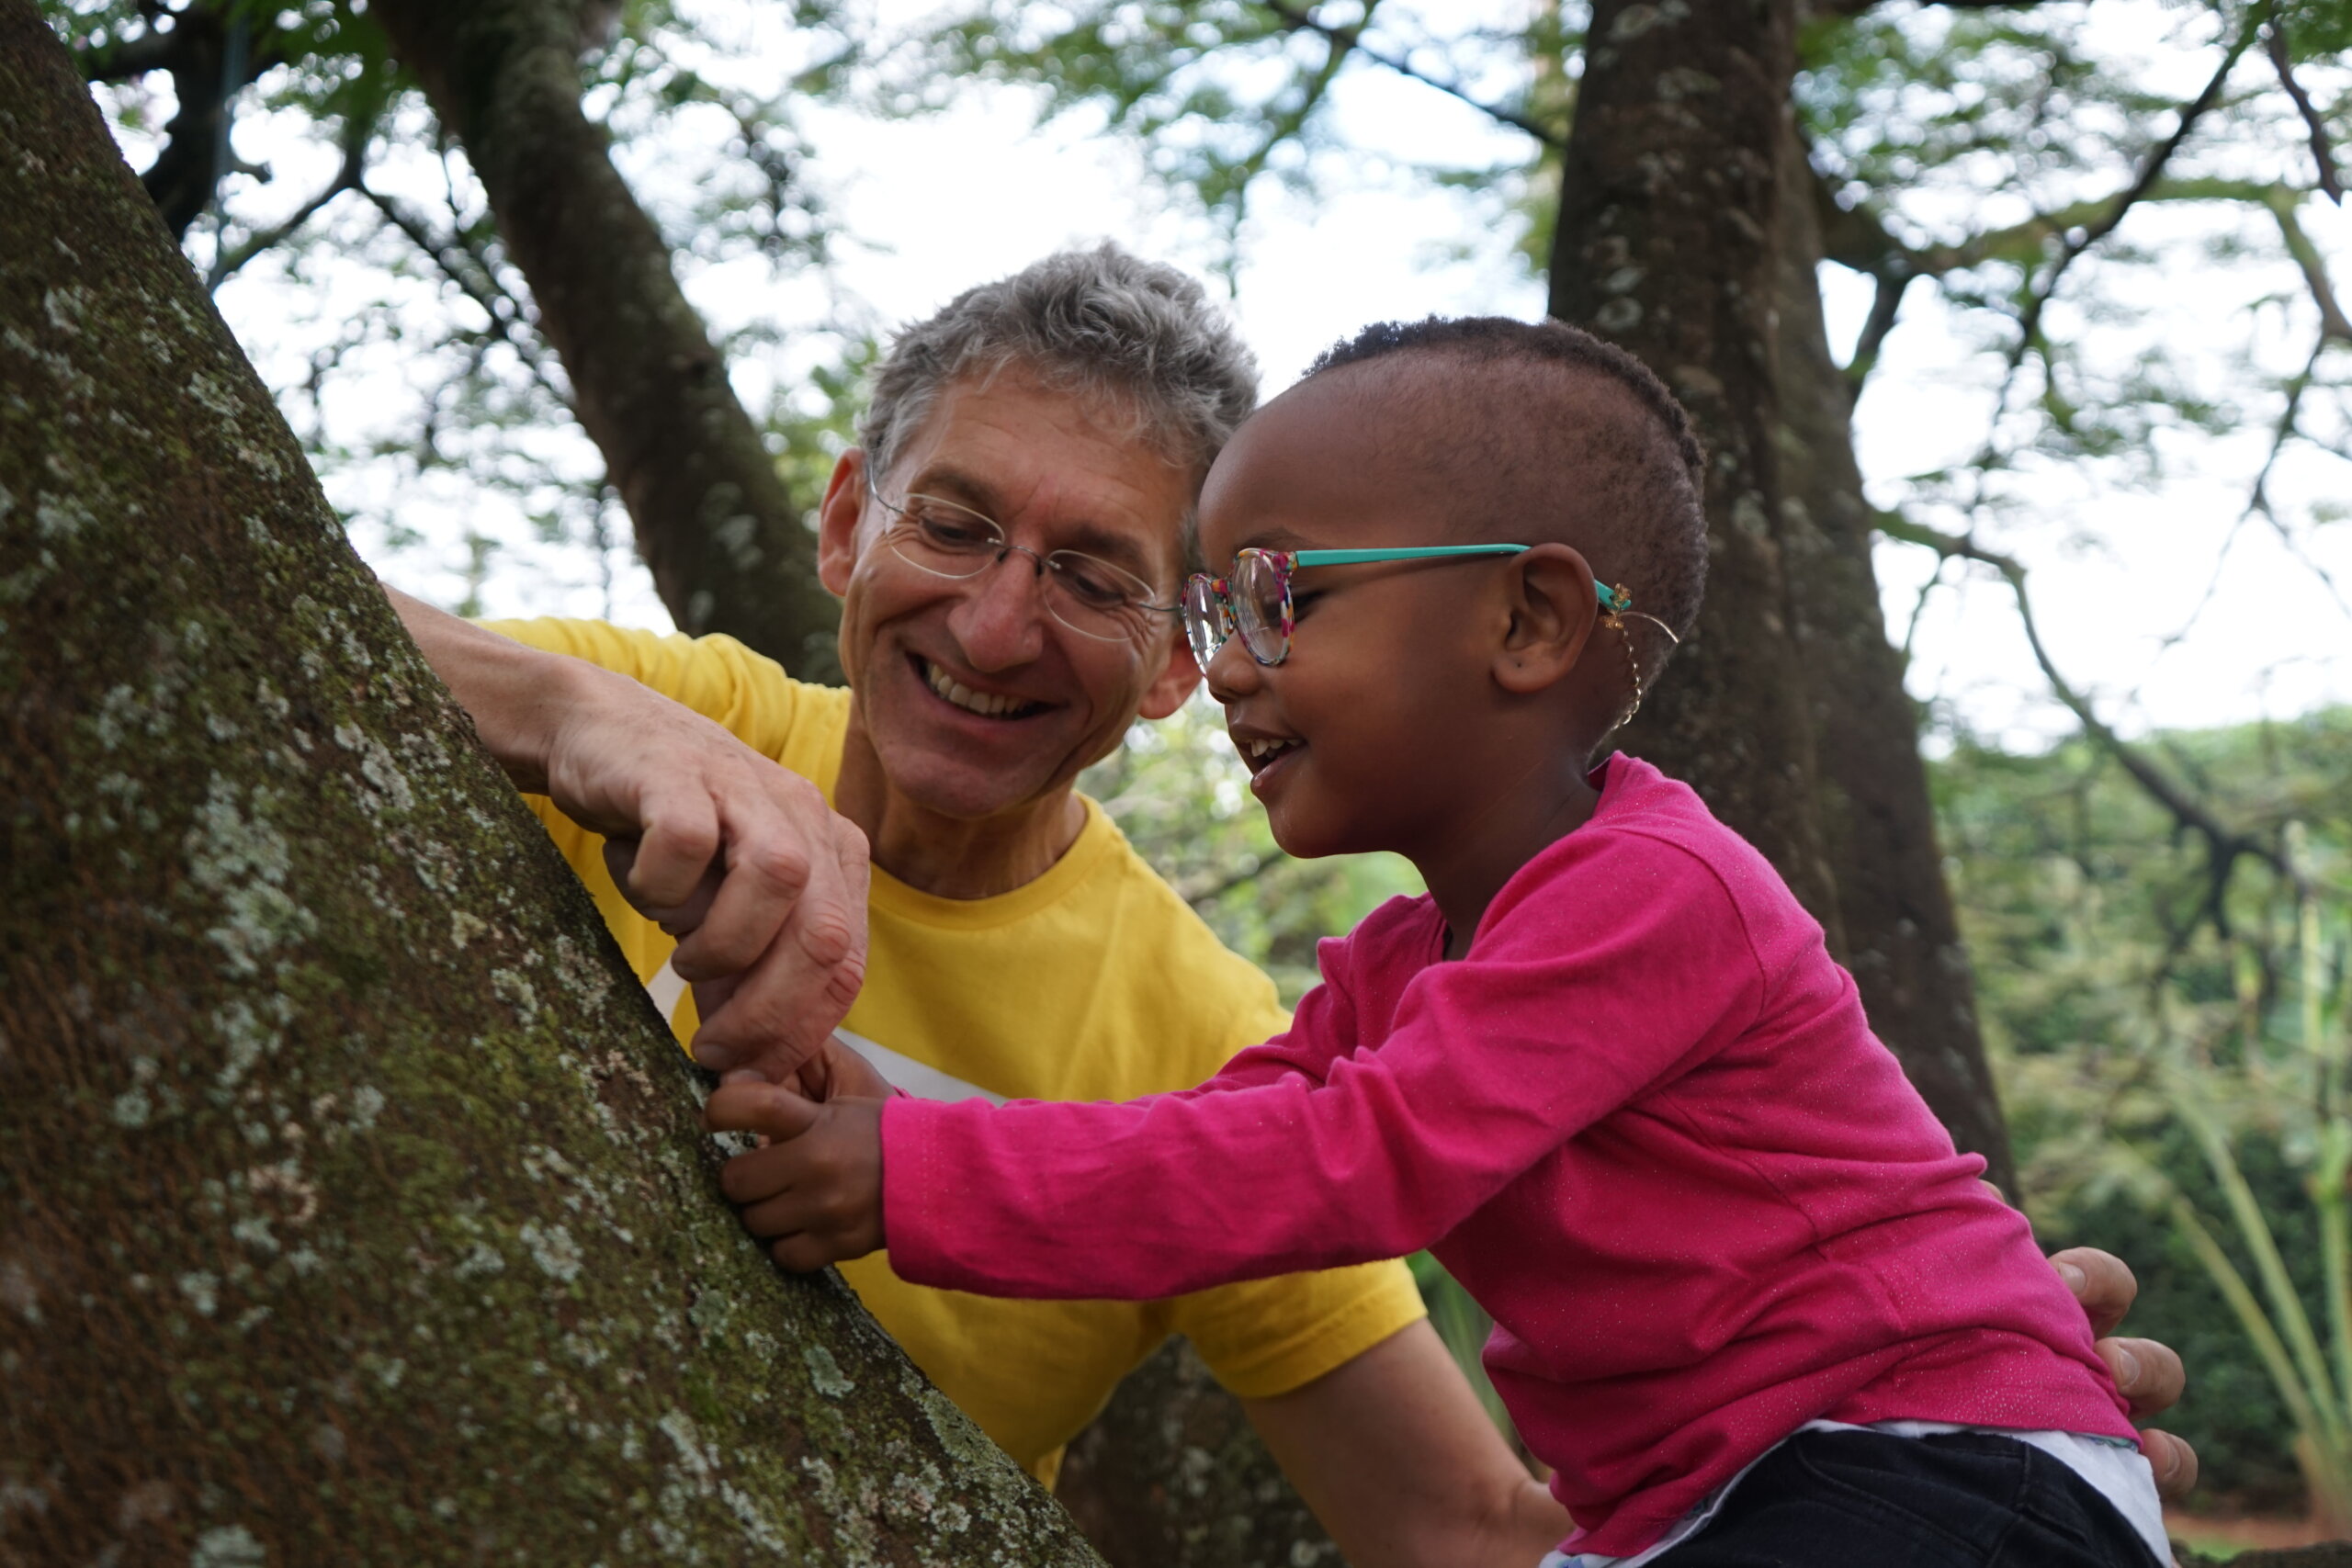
{"points": [[925, 654]]}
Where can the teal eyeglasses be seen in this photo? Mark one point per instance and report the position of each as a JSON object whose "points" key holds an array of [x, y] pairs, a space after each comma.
{"points": [[1255, 600]]}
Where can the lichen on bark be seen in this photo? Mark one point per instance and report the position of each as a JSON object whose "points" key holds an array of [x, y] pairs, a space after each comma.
{"points": [[351, 1204]]}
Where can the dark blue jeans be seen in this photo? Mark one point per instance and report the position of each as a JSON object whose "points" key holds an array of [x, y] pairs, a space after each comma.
{"points": [[1868, 1500]]}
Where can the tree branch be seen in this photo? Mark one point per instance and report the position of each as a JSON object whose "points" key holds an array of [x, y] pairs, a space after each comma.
{"points": [[2322, 152], [2152, 169], [2224, 845], [356, 134], [120, 59], [1302, 18], [487, 293], [2335, 327], [1200, 897]]}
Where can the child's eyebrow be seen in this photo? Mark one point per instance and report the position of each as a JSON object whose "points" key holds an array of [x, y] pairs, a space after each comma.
{"points": [[1271, 539]]}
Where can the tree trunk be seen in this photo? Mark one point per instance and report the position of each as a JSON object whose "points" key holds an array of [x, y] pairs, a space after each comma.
{"points": [[352, 1208], [1172, 1475], [1878, 823], [1685, 234], [728, 549], [1665, 245]]}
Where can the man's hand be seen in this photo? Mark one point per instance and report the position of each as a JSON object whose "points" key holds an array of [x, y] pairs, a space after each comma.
{"points": [[814, 1193], [764, 884], [2147, 1374]]}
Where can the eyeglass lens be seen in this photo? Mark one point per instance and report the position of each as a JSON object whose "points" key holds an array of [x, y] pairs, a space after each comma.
{"points": [[1084, 592], [1255, 602], [1260, 606], [1205, 626]]}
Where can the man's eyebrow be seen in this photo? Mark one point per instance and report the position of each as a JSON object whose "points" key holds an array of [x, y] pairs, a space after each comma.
{"points": [[953, 484], [1095, 539]]}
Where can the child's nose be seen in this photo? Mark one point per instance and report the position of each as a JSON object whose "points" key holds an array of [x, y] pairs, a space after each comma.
{"points": [[1232, 674]]}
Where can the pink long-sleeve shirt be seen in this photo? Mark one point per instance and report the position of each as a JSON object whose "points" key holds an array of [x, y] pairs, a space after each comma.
{"points": [[1643, 1121]]}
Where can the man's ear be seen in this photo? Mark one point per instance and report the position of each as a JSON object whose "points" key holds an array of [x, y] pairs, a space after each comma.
{"points": [[837, 519], [1551, 607], [1172, 684]]}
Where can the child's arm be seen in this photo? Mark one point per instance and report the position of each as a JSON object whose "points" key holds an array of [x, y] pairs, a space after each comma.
{"points": [[1487, 1064]]}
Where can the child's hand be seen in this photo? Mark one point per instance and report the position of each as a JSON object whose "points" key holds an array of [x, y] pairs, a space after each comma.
{"points": [[835, 1072], [814, 1193]]}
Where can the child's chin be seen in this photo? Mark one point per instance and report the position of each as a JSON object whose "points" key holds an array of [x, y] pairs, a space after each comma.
{"points": [[1302, 838]]}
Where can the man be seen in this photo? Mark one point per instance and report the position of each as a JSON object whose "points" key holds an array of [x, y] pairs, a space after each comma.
{"points": [[1007, 543]]}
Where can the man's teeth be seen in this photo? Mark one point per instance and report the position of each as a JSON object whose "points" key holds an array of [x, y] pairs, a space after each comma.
{"points": [[1254, 750], [984, 703]]}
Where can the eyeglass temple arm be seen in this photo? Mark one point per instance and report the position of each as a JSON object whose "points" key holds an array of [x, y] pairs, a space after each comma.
{"points": [[1611, 599]]}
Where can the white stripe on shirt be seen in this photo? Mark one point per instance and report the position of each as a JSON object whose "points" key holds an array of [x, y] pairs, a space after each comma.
{"points": [[918, 1078]]}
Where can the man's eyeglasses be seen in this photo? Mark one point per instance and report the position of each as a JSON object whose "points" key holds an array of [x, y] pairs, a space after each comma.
{"points": [[1255, 600], [1084, 592]]}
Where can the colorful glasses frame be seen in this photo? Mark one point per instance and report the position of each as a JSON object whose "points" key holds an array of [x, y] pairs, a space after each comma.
{"points": [[1210, 620]]}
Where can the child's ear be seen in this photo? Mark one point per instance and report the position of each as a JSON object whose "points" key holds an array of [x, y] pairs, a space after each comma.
{"points": [[1553, 608]]}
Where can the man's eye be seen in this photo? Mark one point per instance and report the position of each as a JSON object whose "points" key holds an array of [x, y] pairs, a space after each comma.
{"points": [[951, 531], [1093, 582]]}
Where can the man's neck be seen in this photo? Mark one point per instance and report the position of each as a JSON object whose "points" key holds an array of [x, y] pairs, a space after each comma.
{"points": [[954, 857]]}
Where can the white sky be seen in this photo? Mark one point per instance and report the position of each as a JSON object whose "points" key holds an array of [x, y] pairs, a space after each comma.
{"points": [[939, 203]]}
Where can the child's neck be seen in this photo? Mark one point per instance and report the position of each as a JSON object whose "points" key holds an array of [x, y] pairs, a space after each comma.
{"points": [[1505, 829]]}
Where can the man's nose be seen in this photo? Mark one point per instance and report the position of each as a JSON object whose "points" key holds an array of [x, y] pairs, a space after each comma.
{"points": [[1001, 620]]}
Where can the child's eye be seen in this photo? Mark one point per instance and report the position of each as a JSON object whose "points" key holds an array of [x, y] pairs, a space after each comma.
{"points": [[1301, 603]]}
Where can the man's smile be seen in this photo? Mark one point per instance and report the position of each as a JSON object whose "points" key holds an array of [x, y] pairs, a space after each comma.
{"points": [[987, 705]]}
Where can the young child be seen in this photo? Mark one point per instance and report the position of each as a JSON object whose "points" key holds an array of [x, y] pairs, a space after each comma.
{"points": [[1605, 1070]]}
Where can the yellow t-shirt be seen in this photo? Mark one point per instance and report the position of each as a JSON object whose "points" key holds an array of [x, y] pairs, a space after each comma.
{"points": [[1093, 982]]}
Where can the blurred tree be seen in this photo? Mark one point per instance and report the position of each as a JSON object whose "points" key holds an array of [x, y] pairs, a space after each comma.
{"points": [[353, 1203], [727, 543]]}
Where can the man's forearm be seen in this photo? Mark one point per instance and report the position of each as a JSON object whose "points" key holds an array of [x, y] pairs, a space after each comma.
{"points": [[515, 695], [1398, 1460]]}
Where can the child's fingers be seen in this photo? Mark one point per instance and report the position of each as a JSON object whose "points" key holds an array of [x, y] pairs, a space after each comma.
{"points": [[758, 1107], [803, 1254], [755, 1177], [803, 1233]]}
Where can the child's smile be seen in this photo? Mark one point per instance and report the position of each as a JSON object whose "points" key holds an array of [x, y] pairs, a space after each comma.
{"points": [[1264, 755]]}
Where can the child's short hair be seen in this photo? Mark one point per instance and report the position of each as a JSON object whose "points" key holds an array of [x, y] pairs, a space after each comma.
{"points": [[1632, 477]]}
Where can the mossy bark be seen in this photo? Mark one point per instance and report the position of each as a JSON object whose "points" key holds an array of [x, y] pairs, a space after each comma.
{"points": [[352, 1208], [728, 544], [1785, 707]]}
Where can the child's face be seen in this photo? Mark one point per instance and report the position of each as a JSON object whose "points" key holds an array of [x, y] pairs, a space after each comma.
{"points": [[1359, 740]]}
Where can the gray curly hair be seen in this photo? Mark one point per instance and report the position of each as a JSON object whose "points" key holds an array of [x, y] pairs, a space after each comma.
{"points": [[1120, 332]]}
